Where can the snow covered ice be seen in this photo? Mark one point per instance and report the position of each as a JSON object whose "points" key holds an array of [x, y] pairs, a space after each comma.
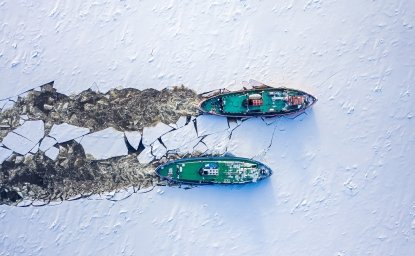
{"points": [[343, 172]]}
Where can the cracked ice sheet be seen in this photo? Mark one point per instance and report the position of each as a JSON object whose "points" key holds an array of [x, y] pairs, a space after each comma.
{"points": [[66, 132], [150, 134], [105, 144], [134, 138], [216, 143], [251, 139], [52, 153], [25, 137], [209, 124], [181, 140]]}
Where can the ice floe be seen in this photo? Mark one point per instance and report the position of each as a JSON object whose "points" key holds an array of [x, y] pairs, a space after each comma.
{"points": [[105, 144], [150, 134], [66, 132], [145, 156], [47, 143], [134, 138], [4, 154], [52, 153], [31, 130], [25, 137], [158, 150]]}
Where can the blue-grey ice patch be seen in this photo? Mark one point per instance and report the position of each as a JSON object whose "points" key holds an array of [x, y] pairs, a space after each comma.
{"points": [[105, 144], [66, 132]]}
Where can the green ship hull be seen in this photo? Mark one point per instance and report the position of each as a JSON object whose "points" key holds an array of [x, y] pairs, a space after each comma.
{"points": [[266, 101], [214, 170]]}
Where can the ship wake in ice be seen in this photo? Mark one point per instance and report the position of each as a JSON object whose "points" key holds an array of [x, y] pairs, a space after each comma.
{"points": [[106, 145]]}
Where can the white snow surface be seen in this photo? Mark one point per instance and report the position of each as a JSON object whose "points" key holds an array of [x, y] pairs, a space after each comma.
{"points": [[66, 132], [343, 181], [105, 144]]}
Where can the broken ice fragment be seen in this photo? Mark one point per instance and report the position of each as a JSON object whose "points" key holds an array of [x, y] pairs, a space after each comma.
{"points": [[66, 132], [17, 143], [4, 154], [24, 138], [52, 153], [105, 144], [47, 143], [134, 138], [150, 134], [31, 130], [145, 156], [208, 124], [158, 150], [35, 149]]}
